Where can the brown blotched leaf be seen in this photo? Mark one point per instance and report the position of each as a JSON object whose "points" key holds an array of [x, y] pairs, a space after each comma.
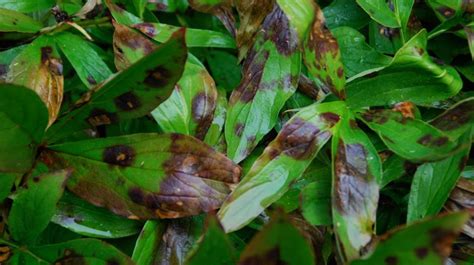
{"points": [[462, 198], [148, 175], [222, 9]]}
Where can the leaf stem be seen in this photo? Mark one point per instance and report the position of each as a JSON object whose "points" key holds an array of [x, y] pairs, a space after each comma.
{"points": [[22, 249]]}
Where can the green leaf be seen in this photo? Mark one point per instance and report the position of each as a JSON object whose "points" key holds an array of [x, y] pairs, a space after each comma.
{"points": [[283, 162], [357, 170], [140, 6], [446, 9], [353, 47], [316, 202], [148, 242], [279, 242], [270, 74], [409, 138], [23, 119], [40, 68], [458, 119], [88, 220], [393, 168], [148, 175], [190, 108], [38, 198], [6, 183], [224, 69], [423, 243], [411, 75], [90, 68], [82, 251], [214, 246], [129, 94], [469, 30], [122, 16], [13, 21], [194, 37], [433, 182], [380, 11], [342, 13], [27, 6], [322, 56], [214, 134]]}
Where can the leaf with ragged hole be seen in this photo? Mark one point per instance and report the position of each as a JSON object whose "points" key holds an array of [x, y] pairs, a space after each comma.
{"points": [[411, 75], [190, 108], [322, 56], [81, 251], [194, 37], [37, 198], [433, 182], [409, 138], [90, 68], [283, 161], [13, 21], [357, 170], [279, 242], [214, 247], [40, 68], [85, 219], [148, 175], [129, 94], [148, 242], [423, 243], [23, 119], [270, 72], [353, 47]]}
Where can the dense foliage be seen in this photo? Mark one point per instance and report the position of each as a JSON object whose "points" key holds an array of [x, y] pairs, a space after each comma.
{"points": [[220, 132]]}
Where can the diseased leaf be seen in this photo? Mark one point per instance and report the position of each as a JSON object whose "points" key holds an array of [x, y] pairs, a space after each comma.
{"points": [[215, 134], [129, 94], [457, 119], [194, 37], [358, 57], [357, 170], [27, 6], [13, 21], [147, 243], [434, 181], [82, 251], [409, 138], [424, 243], [411, 75], [322, 56], [446, 9], [282, 162], [190, 108], [469, 29], [90, 68], [279, 242], [214, 247], [220, 8], [270, 76], [23, 119], [148, 175], [40, 68], [88, 220], [38, 198], [462, 198]]}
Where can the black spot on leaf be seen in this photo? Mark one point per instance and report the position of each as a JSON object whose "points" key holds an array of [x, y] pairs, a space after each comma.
{"points": [[46, 53], [91, 80], [391, 260], [120, 155], [421, 252], [157, 77], [127, 101], [101, 117], [136, 195]]}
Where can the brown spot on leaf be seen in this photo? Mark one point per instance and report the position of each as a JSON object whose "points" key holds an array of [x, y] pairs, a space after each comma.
{"points": [[147, 28], [445, 11], [421, 252], [136, 195], [406, 108], [340, 72], [127, 101], [112, 262], [158, 77], [277, 28], [330, 117], [3, 69], [203, 106], [239, 129], [377, 116], [5, 254], [120, 155], [91, 80], [46, 53], [101, 117], [391, 260], [441, 241], [429, 140], [456, 117]]}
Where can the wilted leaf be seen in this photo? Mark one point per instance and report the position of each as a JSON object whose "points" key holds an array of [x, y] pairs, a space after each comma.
{"points": [[148, 175], [38, 198], [282, 162], [40, 68], [462, 198], [322, 56], [409, 138], [434, 181], [17, 22], [357, 170], [23, 119], [278, 243], [90, 68], [214, 247], [424, 243], [194, 37], [88, 220], [129, 94], [190, 108], [270, 76]]}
